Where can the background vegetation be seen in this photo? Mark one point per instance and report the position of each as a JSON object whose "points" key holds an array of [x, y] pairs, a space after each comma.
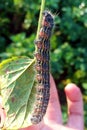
{"points": [[18, 25]]}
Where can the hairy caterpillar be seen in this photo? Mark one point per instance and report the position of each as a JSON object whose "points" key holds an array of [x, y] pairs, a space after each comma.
{"points": [[42, 68]]}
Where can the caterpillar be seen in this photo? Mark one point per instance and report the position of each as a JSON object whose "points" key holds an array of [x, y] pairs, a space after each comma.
{"points": [[42, 68]]}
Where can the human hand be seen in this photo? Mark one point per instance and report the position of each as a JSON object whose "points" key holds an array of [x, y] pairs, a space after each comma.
{"points": [[53, 117]]}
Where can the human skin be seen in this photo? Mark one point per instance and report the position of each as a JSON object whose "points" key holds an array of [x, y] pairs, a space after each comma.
{"points": [[53, 117]]}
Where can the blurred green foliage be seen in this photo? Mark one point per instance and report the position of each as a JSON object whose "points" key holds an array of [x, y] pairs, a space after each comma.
{"points": [[18, 25]]}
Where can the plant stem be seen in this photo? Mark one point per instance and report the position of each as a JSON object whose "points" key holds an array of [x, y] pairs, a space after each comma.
{"points": [[40, 17]]}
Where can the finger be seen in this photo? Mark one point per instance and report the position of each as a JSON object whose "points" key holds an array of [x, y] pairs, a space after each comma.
{"points": [[53, 111], [75, 106]]}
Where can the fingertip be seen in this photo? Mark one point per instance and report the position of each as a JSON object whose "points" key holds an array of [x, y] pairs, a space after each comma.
{"points": [[73, 92], [51, 80], [53, 90]]}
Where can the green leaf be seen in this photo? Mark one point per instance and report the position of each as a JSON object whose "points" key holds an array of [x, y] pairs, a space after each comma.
{"points": [[17, 84], [84, 85]]}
